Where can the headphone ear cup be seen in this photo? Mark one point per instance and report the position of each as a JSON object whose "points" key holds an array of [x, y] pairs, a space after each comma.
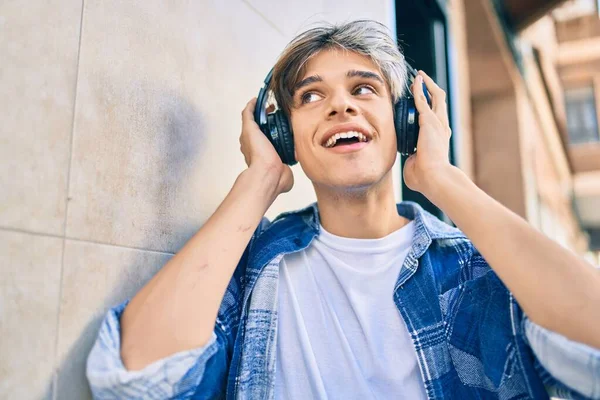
{"points": [[273, 133], [406, 123], [287, 139], [284, 140], [275, 125], [400, 125]]}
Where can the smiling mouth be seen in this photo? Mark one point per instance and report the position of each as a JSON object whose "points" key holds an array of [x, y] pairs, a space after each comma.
{"points": [[345, 139]]}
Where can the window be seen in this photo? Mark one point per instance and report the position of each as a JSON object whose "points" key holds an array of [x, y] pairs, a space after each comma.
{"points": [[582, 118]]}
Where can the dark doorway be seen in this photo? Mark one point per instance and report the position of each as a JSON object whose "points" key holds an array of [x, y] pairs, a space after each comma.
{"points": [[422, 32]]}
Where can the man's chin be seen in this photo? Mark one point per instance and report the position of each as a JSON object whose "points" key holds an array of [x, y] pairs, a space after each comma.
{"points": [[351, 184]]}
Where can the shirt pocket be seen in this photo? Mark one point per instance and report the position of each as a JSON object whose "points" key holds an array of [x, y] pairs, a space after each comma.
{"points": [[478, 331]]}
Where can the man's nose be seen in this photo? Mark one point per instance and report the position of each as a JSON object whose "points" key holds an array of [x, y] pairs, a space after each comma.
{"points": [[342, 103]]}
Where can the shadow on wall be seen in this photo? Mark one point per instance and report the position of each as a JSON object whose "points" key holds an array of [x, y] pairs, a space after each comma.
{"points": [[175, 145], [159, 142]]}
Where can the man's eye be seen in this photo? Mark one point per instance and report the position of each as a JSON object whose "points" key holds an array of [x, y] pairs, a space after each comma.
{"points": [[369, 89], [308, 97]]}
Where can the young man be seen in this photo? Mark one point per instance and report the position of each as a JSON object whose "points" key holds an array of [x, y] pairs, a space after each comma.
{"points": [[355, 297]]}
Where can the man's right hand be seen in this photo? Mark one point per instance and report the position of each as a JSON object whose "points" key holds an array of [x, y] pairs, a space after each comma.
{"points": [[259, 153]]}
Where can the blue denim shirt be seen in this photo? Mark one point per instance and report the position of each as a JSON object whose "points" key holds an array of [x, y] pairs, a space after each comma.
{"points": [[471, 338]]}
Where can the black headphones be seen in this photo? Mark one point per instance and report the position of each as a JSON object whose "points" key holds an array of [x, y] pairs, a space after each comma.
{"points": [[277, 128]]}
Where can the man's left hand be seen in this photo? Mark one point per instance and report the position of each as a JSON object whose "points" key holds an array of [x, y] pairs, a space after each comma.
{"points": [[431, 161]]}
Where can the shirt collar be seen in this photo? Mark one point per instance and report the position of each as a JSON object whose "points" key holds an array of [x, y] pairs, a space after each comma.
{"points": [[426, 223], [298, 229], [293, 231]]}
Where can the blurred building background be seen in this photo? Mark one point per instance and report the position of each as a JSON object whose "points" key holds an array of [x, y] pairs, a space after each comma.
{"points": [[523, 78], [119, 137]]}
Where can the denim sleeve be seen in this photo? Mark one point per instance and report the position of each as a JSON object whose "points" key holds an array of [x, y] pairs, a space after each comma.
{"points": [[178, 376], [200, 373], [566, 364]]}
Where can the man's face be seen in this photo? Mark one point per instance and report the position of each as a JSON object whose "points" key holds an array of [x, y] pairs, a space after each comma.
{"points": [[343, 92]]}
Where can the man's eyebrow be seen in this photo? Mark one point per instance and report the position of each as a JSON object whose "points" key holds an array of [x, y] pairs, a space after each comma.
{"points": [[307, 81], [364, 74], [350, 74]]}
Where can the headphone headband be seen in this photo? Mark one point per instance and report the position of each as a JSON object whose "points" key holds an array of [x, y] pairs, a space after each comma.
{"points": [[260, 111]]}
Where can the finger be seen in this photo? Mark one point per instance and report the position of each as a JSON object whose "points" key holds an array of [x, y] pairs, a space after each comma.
{"points": [[432, 87], [248, 112], [438, 97], [419, 96]]}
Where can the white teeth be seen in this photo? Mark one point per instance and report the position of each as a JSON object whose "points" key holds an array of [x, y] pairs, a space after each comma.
{"points": [[345, 135]]}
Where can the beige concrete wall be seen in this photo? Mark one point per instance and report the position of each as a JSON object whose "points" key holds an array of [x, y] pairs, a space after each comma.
{"points": [[119, 137]]}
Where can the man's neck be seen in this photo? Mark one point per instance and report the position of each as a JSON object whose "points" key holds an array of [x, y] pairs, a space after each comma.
{"points": [[366, 214]]}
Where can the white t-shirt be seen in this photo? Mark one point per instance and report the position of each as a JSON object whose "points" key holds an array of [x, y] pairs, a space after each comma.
{"points": [[340, 335]]}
